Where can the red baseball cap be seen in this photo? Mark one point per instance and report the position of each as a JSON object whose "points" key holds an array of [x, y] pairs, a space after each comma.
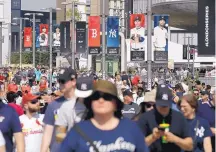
{"points": [[28, 98], [25, 88]]}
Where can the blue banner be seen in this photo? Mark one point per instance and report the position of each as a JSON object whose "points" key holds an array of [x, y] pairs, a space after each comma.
{"points": [[113, 31], [37, 35]]}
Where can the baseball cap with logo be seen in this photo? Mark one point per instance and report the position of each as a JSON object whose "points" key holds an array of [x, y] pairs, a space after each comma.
{"points": [[28, 98], [163, 96], [137, 18], [162, 18], [127, 93], [67, 74], [84, 87]]}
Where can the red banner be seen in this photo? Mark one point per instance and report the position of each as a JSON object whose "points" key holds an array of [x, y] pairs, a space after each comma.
{"points": [[44, 29], [137, 20], [27, 37], [94, 31]]}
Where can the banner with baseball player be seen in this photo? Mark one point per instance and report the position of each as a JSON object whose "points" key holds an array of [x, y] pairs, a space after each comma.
{"points": [[44, 29], [160, 39], [137, 37], [94, 34], [113, 35], [56, 37], [27, 37]]}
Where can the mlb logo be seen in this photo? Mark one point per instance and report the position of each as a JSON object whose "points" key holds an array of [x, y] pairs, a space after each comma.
{"points": [[164, 97], [83, 86]]}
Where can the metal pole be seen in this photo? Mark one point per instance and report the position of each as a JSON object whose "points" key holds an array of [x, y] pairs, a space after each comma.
{"points": [[73, 36], [20, 43], [50, 48], [149, 43], [9, 44], [33, 50], [103, 42], [188, 54], [1, 41], [193, 62]]}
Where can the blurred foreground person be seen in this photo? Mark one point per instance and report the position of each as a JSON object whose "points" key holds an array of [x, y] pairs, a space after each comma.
{"points": [[31, 122], [166, 130], [199, 127], [104, 128]]}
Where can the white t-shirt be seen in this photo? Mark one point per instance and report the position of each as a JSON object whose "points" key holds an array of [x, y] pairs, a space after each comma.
{"points": [[141, 32], [33, 132], [160, 36], [2, 141]]}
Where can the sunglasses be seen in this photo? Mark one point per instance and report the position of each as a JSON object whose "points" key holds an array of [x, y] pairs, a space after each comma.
{"points": [[196, 94], [148, 105], [105, 96], [35, 101]]}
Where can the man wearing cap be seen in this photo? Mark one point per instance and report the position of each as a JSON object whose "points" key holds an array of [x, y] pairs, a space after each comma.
{"points": [[160, 35], [67, 80], [166, 130], [130, 109], [137, 35], [72, 112], [32, 123]]}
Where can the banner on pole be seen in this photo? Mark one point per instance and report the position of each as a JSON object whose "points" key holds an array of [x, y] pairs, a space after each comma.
{"points": [[44, 29], [27, 37], [137, 37], [113, 35], [65, 36], [206, 27], [37, 36], [94, 35], [56, 37], [160, 39], [80, 37]]}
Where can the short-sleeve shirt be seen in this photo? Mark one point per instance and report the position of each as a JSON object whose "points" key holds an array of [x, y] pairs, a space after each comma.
{"points": [[9, 124], [199, 129], [130, 110], [50, 118], [70, 112], [178, 126], [126, 137]]}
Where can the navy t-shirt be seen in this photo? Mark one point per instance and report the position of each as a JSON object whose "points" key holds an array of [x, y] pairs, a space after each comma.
{"points": [[201, 129], [126, 137], [9, 124]]}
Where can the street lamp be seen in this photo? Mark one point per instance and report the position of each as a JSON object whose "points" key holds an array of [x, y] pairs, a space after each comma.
{"points": [[33, 39], [50, 38], [20, 19], [73, 29]]}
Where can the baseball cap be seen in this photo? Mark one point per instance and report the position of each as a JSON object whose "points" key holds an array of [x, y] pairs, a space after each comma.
{"points": [[162, 18], [84, 87], [163, 96], [137, 18], [127, 93], [205, 93], [28, 98], [67, 74]]}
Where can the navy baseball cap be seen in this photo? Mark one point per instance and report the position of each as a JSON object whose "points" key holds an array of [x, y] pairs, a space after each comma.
{"points": [[67, 74], [127, 93], [84, 87], [162, 18], [137, 18], [163, 96]]}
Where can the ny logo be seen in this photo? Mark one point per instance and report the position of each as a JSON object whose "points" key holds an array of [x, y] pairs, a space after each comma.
{"points": [[84, 86], [199, 132], [94, 33], [112, 33]]}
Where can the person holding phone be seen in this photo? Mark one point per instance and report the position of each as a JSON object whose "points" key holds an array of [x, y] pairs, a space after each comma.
{"points": [[165, 130]]}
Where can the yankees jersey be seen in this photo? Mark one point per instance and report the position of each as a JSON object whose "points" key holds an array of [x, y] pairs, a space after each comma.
{"points": [[199, 129], [160, 36], [138, 33]]}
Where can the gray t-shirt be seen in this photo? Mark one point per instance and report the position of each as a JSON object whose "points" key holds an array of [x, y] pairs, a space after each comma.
{"points": [[130, 110], [70, 113]]}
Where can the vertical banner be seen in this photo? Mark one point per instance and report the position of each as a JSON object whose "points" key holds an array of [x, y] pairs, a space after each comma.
{"points": [[37, 36], [80, 37], [56, 37], [185, 52], [206, 27], [160, 39], [94, 35], [65, 36], [113, 35], [137, 37], [27, 37], [44, 29]]}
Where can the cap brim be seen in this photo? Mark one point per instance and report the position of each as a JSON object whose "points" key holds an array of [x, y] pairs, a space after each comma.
{"points": [[83, 94], [163, 103]]}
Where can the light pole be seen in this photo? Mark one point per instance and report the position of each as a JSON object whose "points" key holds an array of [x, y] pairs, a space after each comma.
{"points": [[21, 38], [73, 29], [33, 35], [103, 41], [149, 43]]}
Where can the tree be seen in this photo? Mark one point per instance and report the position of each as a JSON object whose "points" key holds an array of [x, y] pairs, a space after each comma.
{"points": [[77, 14]]}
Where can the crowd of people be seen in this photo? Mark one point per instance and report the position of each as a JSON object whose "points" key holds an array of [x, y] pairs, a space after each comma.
{"points": [[83, 113]]}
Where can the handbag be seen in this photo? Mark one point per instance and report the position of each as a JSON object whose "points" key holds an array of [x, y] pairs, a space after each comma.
{"points": [[85, 137]]}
